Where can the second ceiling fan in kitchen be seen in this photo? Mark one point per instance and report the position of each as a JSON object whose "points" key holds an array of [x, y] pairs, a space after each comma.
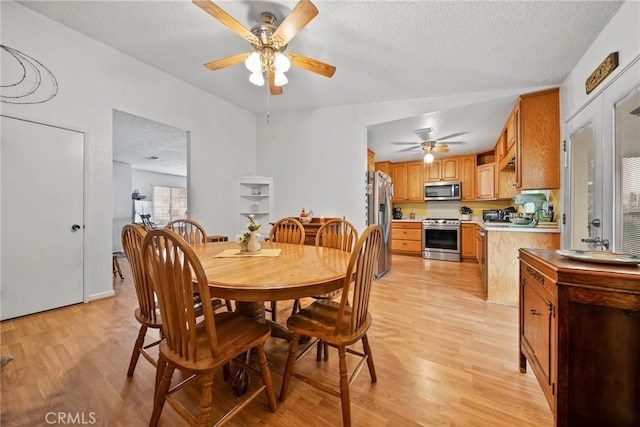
{"points": [[269, 43], [431, 146]]}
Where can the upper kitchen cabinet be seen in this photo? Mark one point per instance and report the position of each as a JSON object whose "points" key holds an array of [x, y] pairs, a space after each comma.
{"points": [[442, 170], [467, 175], [486, 176], [399, 179], [371, 160], [415, 181], [408, 182], [535, 126], [385, 167]]}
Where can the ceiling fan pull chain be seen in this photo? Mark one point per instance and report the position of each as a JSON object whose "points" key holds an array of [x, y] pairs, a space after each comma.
{"points": [[268, 99]]}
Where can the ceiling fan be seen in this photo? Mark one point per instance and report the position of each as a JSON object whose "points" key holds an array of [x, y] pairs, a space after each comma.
{"points": [[431, 145], [269, 43]]}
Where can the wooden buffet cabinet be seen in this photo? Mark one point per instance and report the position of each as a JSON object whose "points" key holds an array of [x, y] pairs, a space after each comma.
{"points": [[580, 333]]}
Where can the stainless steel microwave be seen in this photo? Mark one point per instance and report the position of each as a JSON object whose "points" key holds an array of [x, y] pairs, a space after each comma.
{"points": [[443, 190]]}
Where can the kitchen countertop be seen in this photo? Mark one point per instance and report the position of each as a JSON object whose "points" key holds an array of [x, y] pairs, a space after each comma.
{"points": [[407, 220], [506, 226]]}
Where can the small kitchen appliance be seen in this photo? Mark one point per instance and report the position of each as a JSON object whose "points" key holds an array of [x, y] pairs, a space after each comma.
{"points": [[397, 213], [532, 204]]}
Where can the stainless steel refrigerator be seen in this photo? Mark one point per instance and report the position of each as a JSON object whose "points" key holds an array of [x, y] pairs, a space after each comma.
{"points": [[379, 193]]}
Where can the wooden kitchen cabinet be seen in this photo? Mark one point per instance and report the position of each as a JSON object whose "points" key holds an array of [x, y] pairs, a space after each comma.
{"points": [[467, 175], [468, 238], [406, 238], [579, 329], [399, 178], [385, 167], [371, 162], [485, 181], [415, 181], [536, 130], [442, 170]]}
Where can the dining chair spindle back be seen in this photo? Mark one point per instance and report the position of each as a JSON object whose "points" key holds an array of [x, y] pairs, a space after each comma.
{"points": [[285, 230]]}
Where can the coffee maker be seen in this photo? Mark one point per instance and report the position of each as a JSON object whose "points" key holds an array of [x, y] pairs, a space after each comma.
{"points": [[397, 213]]}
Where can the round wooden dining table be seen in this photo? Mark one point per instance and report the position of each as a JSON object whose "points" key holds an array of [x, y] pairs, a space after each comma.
{"points": [[297, 271]]}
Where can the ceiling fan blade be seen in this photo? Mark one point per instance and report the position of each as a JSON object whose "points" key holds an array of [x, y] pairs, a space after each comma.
{"points": [[312, 65], [409, 149], [300, 16], [417, 144], [453, 135], [226, 62], [275, 90], [228, 20], [439, 149]]}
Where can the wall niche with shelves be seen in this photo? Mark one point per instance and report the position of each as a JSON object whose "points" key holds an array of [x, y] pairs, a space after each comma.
{"points": [[255, 197]]}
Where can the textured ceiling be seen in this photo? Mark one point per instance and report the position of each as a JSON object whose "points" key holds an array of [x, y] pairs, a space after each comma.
{"points": [[383, 50]]}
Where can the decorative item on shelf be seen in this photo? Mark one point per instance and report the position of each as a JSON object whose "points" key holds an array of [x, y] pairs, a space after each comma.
{"points": [[137, 196], [465, 213], [254, 207], [306, 217], [255, 191], [412, 214], [249, 240]]}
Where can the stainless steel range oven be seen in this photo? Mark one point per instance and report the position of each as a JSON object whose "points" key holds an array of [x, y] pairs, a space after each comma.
{"points": [[441, 239]]}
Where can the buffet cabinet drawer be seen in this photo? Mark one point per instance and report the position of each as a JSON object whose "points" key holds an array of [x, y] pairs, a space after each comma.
{"points": [[407, 234], [400, 245]]}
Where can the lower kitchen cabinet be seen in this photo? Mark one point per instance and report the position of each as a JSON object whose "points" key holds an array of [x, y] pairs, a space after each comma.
{"points": [[468, 238], [406, 238], [580, 333]]}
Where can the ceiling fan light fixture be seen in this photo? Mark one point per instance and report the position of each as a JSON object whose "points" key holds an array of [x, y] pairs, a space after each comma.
{"points": [[280, 79], [428, 158], [282, 62], [257, 78], [253, 63]]}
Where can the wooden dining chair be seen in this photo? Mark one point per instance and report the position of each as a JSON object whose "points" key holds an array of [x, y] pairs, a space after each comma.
{"points": [[192, 232], [285, 230], [189, 230], [147, 313], [197, 347], [341, 325], [337, 234]]}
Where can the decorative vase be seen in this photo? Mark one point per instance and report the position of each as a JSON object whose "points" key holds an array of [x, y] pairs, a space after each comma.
{"points": [[465, 217], [243, 247], [253, 245]]}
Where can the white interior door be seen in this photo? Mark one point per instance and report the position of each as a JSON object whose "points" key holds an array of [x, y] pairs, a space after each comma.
{"points": [[41, 217]]}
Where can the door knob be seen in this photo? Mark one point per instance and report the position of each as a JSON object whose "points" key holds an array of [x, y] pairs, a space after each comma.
{"points": [[75, 227]]}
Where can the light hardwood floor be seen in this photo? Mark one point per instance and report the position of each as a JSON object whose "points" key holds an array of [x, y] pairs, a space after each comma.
{"points": [[443, 356]]}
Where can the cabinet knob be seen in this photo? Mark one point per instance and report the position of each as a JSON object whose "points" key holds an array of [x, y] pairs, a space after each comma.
{"points": [[534, 312]]}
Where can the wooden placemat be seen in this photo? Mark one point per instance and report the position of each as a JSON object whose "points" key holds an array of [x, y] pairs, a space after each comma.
{"points": [[235, 253]]}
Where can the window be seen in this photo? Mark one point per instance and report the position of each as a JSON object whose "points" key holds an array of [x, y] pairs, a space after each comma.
{"points": [[169, 203]]}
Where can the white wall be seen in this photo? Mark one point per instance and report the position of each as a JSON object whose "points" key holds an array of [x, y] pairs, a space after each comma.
{"points": [[621, 35], [93, 80], [121, 201]]}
